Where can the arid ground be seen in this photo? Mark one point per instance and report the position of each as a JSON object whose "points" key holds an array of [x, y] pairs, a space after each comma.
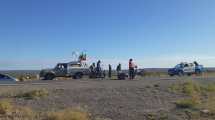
{"points": [[141, 99]]}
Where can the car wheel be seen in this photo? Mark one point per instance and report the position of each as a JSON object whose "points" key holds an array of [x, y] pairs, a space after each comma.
{"points": [[198, 72], [78, 76], [49, 76], [181, 73], [171, 75], [189, 74]]}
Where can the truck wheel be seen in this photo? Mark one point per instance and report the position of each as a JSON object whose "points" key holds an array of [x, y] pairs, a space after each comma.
{"points": [[49, 76], [189, 74], [171, 75], [181, 73], [78, 76], [198, 72]]}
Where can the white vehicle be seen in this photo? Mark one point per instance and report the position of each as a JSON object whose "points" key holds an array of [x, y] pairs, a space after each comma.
{"points": [[7, 78], [73, 69], [185, 69]]}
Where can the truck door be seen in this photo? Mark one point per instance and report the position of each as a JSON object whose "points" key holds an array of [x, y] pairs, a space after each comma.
{"points": [[189, 68], [186, 68]]}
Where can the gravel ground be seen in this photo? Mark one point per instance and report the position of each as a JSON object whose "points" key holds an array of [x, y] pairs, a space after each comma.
{"points": [[114, 99]]}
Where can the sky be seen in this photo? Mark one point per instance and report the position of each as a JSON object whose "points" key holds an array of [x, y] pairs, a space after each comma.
{"points": [[36, 34]]}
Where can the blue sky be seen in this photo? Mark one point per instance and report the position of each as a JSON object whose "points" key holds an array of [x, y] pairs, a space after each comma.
{"points": [[157, 33]]}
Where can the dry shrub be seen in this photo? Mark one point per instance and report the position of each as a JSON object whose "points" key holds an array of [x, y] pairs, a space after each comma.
{"points": [[68, 114], [209, 104], [34, 94], [191, 103], [11, 112], [26, 77], [191, 88], [24, 113], [201, 98], [5, 107], [208, 88]]}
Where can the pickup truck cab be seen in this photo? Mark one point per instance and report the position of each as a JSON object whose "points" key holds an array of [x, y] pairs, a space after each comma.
{"points": [[186, 69]]}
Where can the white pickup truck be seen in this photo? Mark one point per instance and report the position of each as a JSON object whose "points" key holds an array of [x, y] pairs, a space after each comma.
{"points": [[73, 69]]}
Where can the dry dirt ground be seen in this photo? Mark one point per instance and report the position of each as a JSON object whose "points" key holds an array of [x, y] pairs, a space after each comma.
{"points": [[140, 99]]}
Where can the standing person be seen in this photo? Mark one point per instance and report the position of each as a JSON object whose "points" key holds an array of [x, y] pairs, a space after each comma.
{"points": [[131, 69], [92, 67], [118, 69], [196, 64], [109, 71], [98, 68], [92, 70]]}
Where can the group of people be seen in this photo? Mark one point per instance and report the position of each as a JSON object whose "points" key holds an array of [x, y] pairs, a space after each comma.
{"points": [[96, 70], [131, 66], [118, 70]]}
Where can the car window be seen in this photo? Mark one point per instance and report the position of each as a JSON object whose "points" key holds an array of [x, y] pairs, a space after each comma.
{"points": [[186, 65], [4, 77], [178, 66], [75, 65]]}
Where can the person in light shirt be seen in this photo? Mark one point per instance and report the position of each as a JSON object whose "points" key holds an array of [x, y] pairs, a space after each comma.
{"points": [[132, 67]]}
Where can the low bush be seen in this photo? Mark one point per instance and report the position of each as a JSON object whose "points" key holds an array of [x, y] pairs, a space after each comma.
{"points": [[5, 107], [186, 103], [10, 112], [34, 94], [209, 104], [208, 88], [191, 87], [23, 113], [68, 114]]}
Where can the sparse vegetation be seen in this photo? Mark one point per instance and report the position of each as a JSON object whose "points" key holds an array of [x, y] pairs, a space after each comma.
{"points": [[68, 114], [5, 107], [187, 103], [34, 94], [11, 112], [193, 100], [25, 113], [201, 97], [209, 105], [191, 87]]}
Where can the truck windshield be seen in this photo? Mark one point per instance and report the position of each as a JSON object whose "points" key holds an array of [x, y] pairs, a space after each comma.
{"points": [[178, 66]]}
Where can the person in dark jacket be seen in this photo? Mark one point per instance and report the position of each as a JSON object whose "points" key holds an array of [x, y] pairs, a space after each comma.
{"points": [[109, 71], [92, 69], [99, 69], [119, 68], [196, 64]]}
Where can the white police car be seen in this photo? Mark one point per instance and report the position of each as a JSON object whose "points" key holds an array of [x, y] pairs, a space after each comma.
{"points": [[186, 69]]}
